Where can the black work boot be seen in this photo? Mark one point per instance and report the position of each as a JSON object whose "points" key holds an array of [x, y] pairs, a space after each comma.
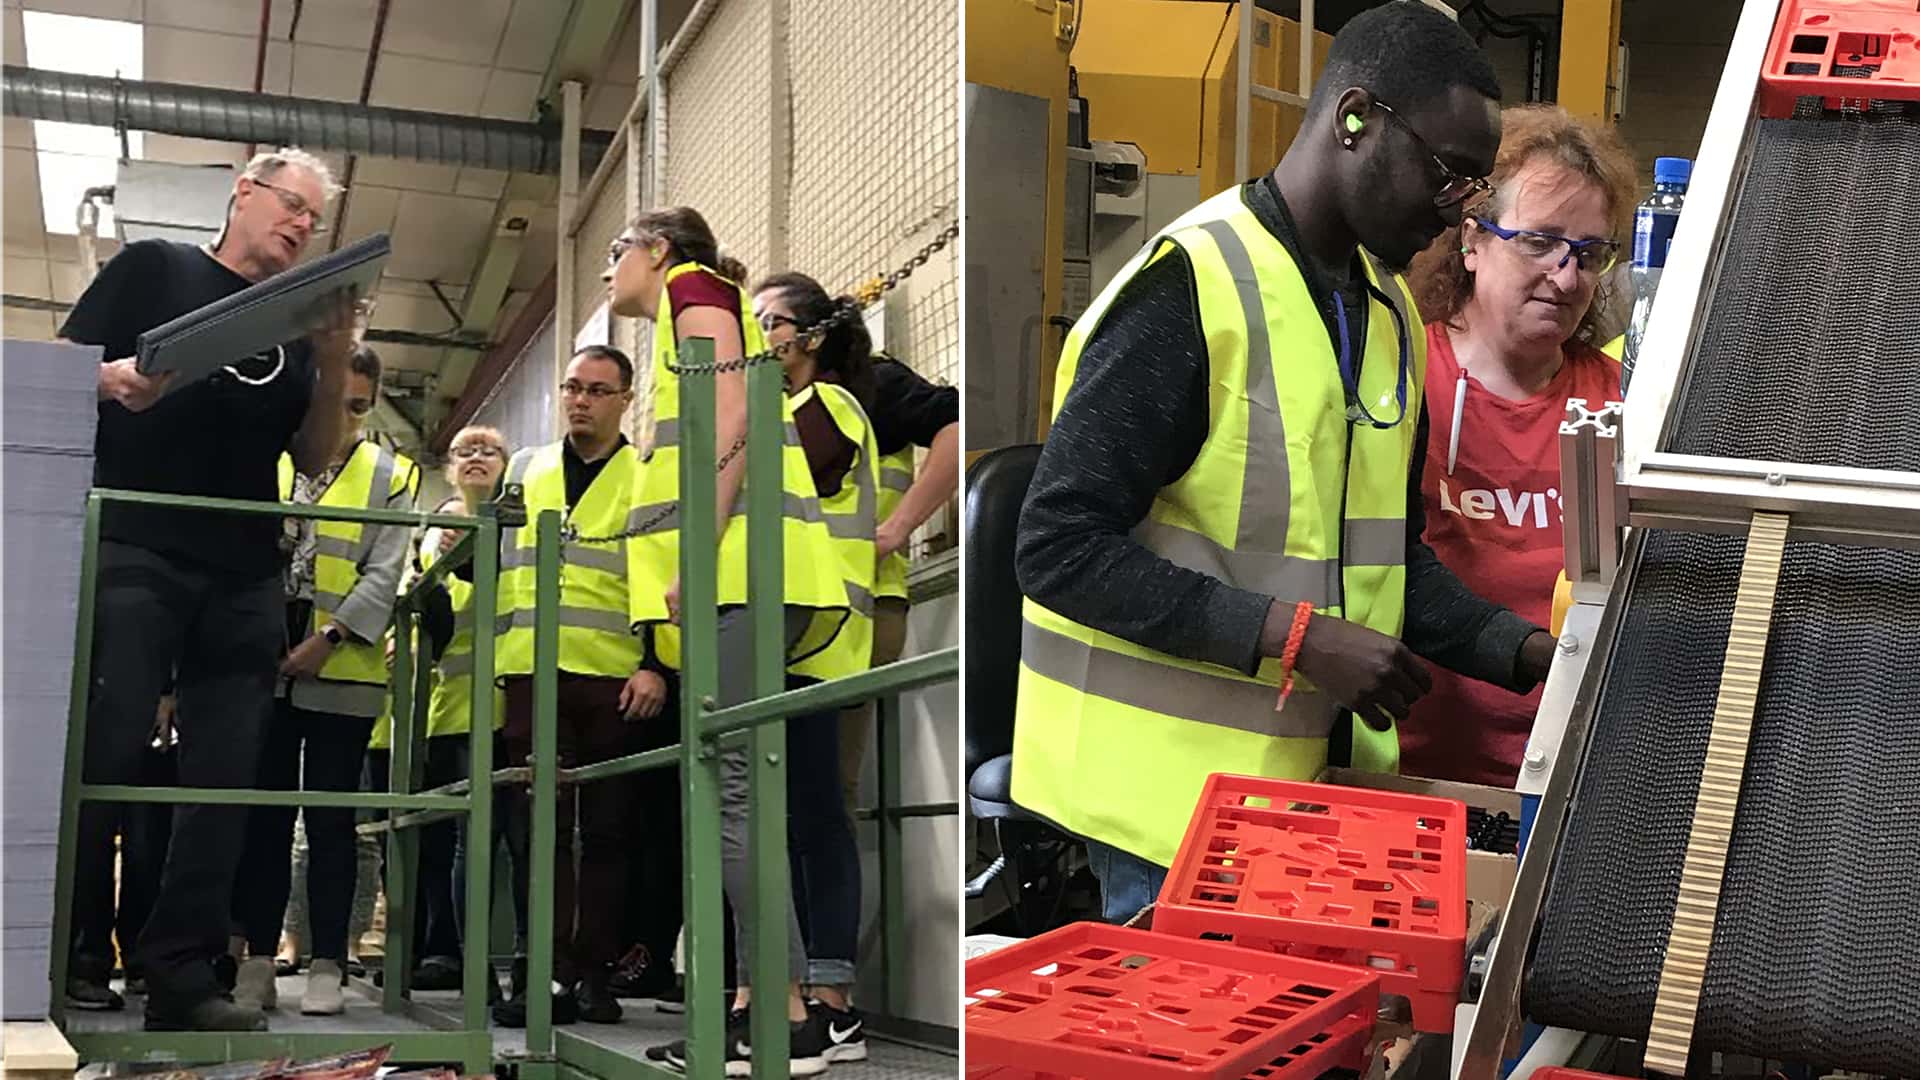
{"points": [[596, 1000], [217, 1013]]}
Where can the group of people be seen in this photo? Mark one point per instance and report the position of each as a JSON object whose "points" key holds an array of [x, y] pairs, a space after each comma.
{"points": [[267, 641], [1277, 523]]}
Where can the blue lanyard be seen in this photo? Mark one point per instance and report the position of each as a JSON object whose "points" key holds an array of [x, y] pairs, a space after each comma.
{"points": [[1350, 376]]}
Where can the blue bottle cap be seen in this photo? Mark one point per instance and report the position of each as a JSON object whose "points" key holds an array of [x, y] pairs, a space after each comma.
{"points": [[1672, 170]]}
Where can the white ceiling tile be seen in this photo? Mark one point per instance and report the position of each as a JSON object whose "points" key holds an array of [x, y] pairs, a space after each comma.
{"points": [[535, 187], [407, 82], [318, 71], [510, 95], [536, 258], [22, 217], [532, 35], [128, 10], [185, 151], [481, 183], [439, 237], [199, 58], [416, 175], [218, 16], [68, 281], [20, 133], [27, 277], [608, 105], [623, 64], [24, 325], [343, 24], [369, 210], [16, 37], [426, 28]]}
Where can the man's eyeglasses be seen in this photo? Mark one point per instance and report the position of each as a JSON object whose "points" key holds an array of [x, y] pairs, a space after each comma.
{"points": [[594, 391], [475, 450], [296, 205], [1551, 250], [1455, 188]]}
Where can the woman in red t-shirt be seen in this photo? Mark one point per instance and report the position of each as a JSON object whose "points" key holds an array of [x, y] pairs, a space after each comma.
{"points": [[1514, 294]]}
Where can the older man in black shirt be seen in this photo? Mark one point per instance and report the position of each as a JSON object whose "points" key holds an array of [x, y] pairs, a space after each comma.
{"points": [[195, 592]]}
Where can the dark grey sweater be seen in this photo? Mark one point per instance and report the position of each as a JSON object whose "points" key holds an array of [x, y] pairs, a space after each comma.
{"points": [[1133, 423]]}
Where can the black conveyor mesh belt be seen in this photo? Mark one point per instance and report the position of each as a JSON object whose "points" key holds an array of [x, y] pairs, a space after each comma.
{"points": [[1813, 355], [1810, 351]]}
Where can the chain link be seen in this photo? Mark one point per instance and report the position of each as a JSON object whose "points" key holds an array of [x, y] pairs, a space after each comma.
{"points": [[865, 294]]}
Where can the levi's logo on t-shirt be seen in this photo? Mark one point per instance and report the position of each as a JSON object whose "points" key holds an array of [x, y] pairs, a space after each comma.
{"points": [[1519, 509]]}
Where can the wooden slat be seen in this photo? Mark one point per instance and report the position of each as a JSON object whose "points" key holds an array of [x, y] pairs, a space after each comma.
{"points": [[1685, 968]]}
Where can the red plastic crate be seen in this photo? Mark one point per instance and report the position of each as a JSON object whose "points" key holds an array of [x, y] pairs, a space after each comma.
{"points": [[1848, 52], [1374, 879], [1559, 1072], [1112, 1003]]}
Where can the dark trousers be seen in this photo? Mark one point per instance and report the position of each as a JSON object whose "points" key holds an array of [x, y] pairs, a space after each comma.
{"points": [[504, 808], [587, 903], [152, 617], [329, 749], [143, 829], [821, 849], [436, 907], [653, 873]]}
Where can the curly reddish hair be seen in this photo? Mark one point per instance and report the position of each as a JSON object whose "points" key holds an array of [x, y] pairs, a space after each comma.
{"points": [[1530, 135]]}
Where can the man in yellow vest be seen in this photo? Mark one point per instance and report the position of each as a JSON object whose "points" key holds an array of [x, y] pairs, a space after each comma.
{"points": [[604, 687], [341, 580], [1228, 500]]}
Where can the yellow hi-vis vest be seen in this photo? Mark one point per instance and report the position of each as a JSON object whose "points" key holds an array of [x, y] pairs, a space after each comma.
{"points": [[372, 478], [451, 711], [838, 644], [1615, 348], [896, 476], [1113, 740], [599, 582], [812, 574]]}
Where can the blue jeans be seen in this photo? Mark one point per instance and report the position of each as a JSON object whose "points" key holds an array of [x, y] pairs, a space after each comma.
{"points": [[1127, 882]]}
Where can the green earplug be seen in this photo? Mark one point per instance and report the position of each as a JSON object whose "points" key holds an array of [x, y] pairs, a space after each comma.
{"points": [[1353, 123]]}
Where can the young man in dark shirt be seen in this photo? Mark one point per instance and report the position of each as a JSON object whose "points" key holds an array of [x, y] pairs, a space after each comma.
{"points": [[192, 591]]}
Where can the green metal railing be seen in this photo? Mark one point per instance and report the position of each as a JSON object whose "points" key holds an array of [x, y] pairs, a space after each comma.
{"points": [[760, 724]]}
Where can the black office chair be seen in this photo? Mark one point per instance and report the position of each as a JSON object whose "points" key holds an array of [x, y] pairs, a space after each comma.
{"points": [[1032, 864]]}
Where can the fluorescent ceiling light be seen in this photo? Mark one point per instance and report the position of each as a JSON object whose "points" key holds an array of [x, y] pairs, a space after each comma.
{"points": [[75, 157]]}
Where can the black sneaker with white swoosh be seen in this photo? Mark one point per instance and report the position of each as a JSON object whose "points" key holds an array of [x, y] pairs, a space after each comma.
{"points": [[806, 1051], [846, 1031]]}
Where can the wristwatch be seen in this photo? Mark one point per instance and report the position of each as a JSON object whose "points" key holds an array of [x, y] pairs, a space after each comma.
{"points": [[334, 634]]}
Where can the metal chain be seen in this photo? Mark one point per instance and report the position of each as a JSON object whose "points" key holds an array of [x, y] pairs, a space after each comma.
{"points": [[865, 294]]}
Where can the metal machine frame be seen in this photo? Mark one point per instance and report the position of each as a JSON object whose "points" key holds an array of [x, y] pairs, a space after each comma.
{"points": [[1645, 486]]}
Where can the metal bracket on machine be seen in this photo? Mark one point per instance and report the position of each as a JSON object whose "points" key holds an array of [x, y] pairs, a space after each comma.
{"points": [[1592, 508]]}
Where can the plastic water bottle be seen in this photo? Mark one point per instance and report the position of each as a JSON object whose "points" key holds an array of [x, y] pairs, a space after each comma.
{"points": [[1653, 225]]}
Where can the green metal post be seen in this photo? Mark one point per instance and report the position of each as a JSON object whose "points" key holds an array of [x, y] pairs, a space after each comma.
{"points": [[476, 965], [78, 692], [546, 748], [767, 746], [699, 763], [404, 843], [893, 903]]}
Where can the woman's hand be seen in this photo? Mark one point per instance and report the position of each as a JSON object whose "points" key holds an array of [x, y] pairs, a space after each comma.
{"points": [[307, 658]]}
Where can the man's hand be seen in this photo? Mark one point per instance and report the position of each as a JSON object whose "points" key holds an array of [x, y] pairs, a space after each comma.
{"points": [[330, 327], [890, 536], [643, 696], [1536, 656], [673, 602], [1370, 673], [121, 381], [306, 659]]}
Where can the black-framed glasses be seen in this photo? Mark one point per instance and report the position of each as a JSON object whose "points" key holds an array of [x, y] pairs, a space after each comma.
{"points": [[595, 391], [295, 204], [1551, 250], [1455, 188], [773, 319], [474, 450]]}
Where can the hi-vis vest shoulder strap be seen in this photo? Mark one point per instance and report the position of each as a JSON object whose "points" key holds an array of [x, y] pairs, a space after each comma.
{"points": [[1285, 497], [373, 477], [896, 476], [599, 581], [812, 579], [840, 644]]}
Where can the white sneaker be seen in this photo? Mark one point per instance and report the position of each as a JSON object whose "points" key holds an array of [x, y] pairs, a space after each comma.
{"points": [[253, 985], [323, 996]]}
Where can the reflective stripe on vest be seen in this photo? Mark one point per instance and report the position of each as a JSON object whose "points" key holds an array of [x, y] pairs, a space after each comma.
{"points": [[598, 582], [811, 578], [838, 644], [451, 710], [896, 476], [372, 477], [1261, 509]]}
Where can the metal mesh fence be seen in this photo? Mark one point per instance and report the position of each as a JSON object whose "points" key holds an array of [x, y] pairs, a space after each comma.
{"points": [[604, 222], [718, 122]]}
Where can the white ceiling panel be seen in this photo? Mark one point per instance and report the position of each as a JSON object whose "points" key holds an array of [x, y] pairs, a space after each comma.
{"points": [[128, 10], [481, 183], [394, 173], [22, 219], [369, 211], [608, 105], [318, 71], [343, 24], [428, 28], [407, 82], [536, 187], [623, 66], [16, 37], [407, 357], [68, 281], [532, 34], [193, 151], [27, 325], [536, 258], [199, 58], [510, 95], [219, 16], [439, 237], [27, 277]]}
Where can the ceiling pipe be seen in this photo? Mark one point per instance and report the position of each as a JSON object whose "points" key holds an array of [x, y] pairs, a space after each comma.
{"points": [[366, 94], [201, 112]]}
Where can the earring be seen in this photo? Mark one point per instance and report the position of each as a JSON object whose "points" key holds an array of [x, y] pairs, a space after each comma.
{"points": [[1347, 142]]}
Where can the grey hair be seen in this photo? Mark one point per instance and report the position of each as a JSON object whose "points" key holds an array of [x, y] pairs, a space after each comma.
{"points": [[267, 164]]}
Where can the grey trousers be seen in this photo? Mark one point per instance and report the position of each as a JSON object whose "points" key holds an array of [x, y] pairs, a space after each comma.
{"points": [[736, 863]]}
